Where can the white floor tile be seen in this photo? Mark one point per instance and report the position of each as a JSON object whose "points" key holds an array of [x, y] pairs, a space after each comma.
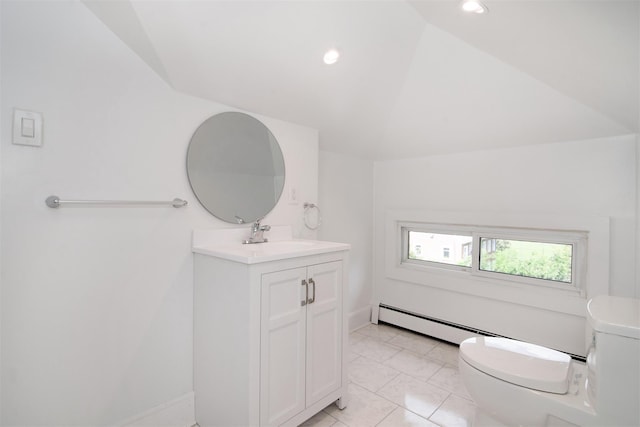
{"points": [[414, 395], [381, 331], [449, 379], [403, 418], [374, 349], [321, 419], [445, 352], [364, 408], [455, 412], [414, 342], [351, 356], [370, 374], [413, 364], [354, 337]]}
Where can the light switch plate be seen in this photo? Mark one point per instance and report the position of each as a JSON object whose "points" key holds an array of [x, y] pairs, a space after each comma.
{"points": [[293, 196], [27, 128]]}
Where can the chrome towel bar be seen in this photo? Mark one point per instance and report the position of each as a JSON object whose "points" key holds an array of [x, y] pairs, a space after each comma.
{"points": [[55, 202]]}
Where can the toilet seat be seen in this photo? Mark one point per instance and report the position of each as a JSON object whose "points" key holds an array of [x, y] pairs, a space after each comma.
{"points": [[524, 364]]}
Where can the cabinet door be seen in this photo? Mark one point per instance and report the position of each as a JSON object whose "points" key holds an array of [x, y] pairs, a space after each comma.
{"points": [[324, 331], [282, 341]]}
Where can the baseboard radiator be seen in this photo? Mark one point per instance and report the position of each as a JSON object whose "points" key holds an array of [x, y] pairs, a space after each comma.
{"points": [[437, 328]]}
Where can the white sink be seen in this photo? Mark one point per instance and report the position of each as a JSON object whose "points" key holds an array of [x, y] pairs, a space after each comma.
{"points": [[263, 252]]}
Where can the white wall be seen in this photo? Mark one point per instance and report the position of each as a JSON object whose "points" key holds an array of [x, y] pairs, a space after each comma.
{"points": [[637, 281], [97, 302], [346, 201], [595, 178], [1, 133]]}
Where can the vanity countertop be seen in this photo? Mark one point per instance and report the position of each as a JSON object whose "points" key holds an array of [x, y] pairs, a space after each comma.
{"points": [[227, 244]]}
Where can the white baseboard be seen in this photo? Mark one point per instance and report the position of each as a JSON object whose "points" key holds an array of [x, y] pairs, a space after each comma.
{"points": [[359, 318], [375, 312], [425, 326], [178, 412]]}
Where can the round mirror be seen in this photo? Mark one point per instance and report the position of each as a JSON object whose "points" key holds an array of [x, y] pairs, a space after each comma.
{"points": [[235, 167]]}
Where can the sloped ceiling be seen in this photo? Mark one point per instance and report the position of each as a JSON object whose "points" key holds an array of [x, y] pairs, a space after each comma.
{"points": [[415, 77]]}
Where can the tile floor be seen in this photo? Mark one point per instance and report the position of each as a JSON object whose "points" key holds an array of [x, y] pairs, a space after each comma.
{"points": [[398, 378]]}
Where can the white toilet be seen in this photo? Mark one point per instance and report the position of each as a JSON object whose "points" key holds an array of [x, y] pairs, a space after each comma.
{"points": [[520, 384]]}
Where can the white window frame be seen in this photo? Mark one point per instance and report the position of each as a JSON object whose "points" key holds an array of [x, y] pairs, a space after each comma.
{"points": [[577, 239]]}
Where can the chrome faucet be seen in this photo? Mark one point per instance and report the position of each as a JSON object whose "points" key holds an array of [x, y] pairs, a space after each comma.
{"points": [[257, 233]]}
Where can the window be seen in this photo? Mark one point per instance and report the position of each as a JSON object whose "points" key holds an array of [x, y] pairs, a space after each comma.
{"points": [[535, 257], [537, 260], [437, 248]]}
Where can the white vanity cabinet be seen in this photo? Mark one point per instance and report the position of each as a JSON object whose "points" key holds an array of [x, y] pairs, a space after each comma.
{"points": [[270, 335], [301, 331]]}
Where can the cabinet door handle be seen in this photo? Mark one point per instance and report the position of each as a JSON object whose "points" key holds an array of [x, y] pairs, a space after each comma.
{"points": [[306, 293], [313, 294]]}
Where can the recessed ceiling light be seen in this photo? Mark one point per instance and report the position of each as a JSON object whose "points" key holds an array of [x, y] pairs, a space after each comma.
{"points": [[331, 56], [474, 6]]}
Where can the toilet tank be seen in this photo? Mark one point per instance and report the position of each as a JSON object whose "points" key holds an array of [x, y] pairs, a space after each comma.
{"points": [[613, 361]]}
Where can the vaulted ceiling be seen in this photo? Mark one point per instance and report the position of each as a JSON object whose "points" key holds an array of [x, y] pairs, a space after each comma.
{"points": [[415, 78]]}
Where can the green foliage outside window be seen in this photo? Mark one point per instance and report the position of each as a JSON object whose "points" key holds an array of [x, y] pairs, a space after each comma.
{"points": [[549, 261]]}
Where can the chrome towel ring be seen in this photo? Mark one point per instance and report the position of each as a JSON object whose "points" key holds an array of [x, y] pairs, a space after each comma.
{"points": [[310, 222]]}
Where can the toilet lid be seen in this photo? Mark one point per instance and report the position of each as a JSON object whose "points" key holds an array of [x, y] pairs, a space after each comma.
{"points": [[615, 315], [524, 364]]}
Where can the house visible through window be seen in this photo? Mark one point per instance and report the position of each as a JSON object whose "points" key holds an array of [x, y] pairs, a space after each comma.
{"points": [[467, 249], [438, 248]]}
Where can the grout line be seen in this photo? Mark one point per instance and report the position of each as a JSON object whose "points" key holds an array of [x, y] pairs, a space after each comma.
{"points": [[438, 408], [387, 416], [385, 384]]}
